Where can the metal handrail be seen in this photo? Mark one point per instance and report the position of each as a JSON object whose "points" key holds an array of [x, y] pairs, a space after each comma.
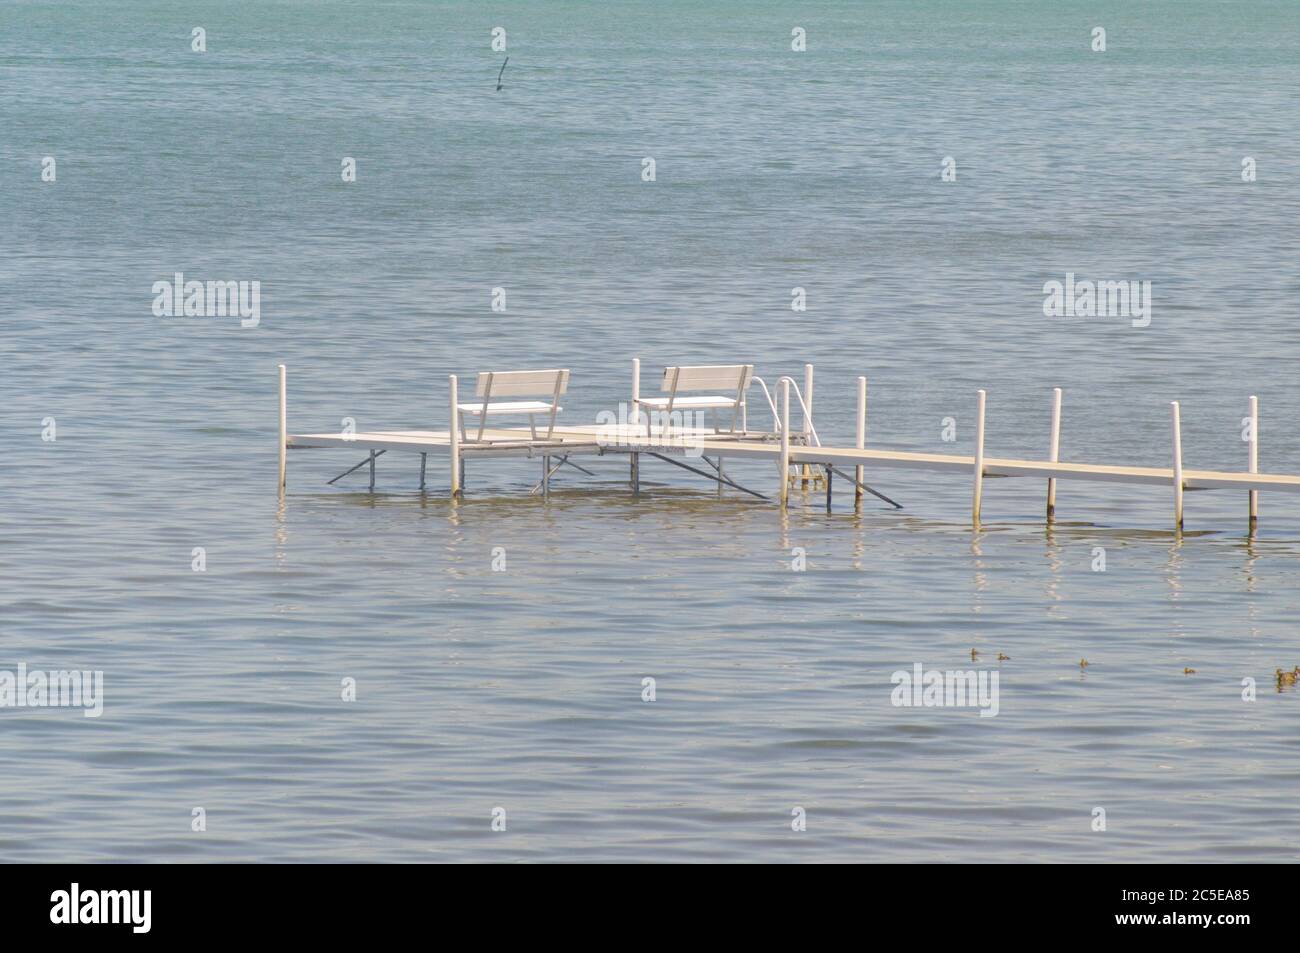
{"points": [[776, 417], [807, 414]]}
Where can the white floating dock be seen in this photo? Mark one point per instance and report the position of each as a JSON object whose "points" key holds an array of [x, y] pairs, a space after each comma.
{"points": [[789, 452]]}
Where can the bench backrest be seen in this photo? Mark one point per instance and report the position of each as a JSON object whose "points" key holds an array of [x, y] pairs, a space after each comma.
{"points": [[522, 383], [712, 377]]}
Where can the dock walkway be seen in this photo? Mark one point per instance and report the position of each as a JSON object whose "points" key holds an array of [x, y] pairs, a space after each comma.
{"points": [[785, 449]]}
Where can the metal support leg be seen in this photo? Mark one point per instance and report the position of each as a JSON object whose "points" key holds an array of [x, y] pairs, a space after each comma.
{"points": [[546, 478], [721, 477], [423, 459], [372, 471], [828, 489], [636, 473]]}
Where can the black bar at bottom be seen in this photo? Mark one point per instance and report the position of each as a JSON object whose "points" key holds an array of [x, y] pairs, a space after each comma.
{"points": [[330, 903]]}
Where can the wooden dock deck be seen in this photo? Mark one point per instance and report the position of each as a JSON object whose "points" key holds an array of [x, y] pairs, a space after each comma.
{"points": [[589, 440]]}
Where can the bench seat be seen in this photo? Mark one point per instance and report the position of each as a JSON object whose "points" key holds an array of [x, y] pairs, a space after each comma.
{"points": [[508, 407], [526, 384], [707, 378], [702, 402]]}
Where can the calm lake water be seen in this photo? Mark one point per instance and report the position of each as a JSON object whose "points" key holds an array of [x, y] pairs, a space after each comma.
{"points": [[522, 689]]}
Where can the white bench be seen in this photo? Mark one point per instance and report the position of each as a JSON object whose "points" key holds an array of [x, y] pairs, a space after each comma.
{"points": [[551, 383], [678, 380]]}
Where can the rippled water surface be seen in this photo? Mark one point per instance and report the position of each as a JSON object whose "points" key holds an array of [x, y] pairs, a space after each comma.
{"points": [[522, 689]]}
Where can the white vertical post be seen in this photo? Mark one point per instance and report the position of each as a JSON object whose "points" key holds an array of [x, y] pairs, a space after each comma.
{"points": [[636, 391], [785, 440], [861, 440], [1178, 465], [979, 461], [1054, 452], [1254, 459], [634, 417], [455, 439], [807, 416], [284, 429]]}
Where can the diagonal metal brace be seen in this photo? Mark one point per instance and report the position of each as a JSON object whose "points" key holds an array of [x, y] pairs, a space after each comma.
{"points": [[711, 476], [551, 472], [377, 453], [875, 493]]}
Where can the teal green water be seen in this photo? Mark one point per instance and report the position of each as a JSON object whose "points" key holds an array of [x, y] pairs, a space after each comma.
{"points": [[522, 689]]}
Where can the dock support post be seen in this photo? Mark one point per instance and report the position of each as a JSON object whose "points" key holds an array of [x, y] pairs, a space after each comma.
{"points": [[423, 461], [829, 474], [634, 415], [284, 430], [806, 472], [372, 471], [454, 439], [784, 462], [546, 478], [635, 409], [861, 441], [1254, 460], [979, 461], [1054, 453], [1178, 465]]}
